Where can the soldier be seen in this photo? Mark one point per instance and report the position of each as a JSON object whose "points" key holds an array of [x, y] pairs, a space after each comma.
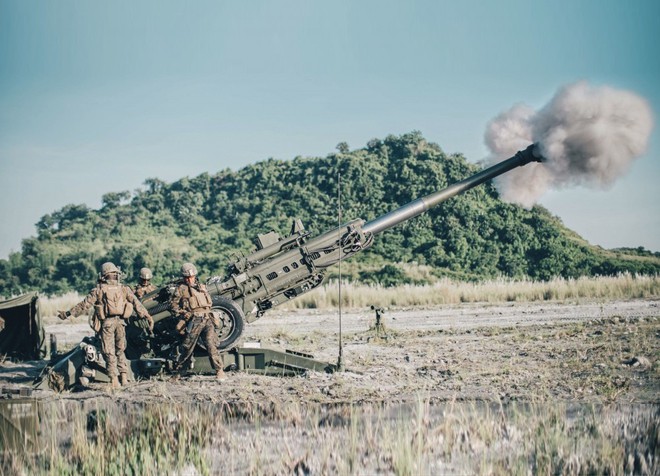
{"points": [[113, 303], [144, 286], [191, 302]]}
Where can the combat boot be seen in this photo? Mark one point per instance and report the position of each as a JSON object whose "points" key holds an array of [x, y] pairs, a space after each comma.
{"points": [[123, 378], [220, 375], [115, 382]]}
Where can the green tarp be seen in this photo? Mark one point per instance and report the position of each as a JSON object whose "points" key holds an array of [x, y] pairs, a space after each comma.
{"points": [[22, 336]]}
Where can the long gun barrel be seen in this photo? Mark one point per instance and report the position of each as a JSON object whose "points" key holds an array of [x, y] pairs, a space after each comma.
{"points": [[283, 269], [421, 205]]}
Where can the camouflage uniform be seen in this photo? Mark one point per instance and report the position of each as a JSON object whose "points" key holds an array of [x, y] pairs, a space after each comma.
{"points": [[145, 286], [107, 298], [193, 304]]}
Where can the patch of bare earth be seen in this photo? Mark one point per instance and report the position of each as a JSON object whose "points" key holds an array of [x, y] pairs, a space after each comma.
{"points": [[513, 388]]}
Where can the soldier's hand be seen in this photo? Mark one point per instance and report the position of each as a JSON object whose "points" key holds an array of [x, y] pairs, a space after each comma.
{"points": [[181, 326], [63, 314]]}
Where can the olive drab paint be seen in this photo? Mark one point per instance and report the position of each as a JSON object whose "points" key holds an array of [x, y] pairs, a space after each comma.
{"points": [[281, 269]]}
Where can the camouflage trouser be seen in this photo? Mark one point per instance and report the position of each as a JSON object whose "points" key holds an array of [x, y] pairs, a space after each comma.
{"points": [[113, 345], [200, 326]]}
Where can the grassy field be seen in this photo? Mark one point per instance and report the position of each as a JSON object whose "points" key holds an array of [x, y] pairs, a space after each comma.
{"points": [[503, 290], [455, 438], [524, 392], [625, 286]]}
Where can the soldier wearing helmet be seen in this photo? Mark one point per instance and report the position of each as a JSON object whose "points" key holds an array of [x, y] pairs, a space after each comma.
{"points": [[144, 286], [191, 303], [113, 304]]}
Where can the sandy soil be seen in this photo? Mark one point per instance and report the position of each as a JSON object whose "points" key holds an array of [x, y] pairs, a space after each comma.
{"points": [[602, 351], [556, 388]]}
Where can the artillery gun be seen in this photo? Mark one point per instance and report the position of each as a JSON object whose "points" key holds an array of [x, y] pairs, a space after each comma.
{"points": [[280, 270]]}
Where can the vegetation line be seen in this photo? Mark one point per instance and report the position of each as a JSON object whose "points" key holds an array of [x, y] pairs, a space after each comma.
{"points": [[208, 218], [459, 438], [447, 291]]}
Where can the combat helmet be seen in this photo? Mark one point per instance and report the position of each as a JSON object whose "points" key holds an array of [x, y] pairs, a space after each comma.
{"points": [[108, 268], [188, 269], [145, 273]]}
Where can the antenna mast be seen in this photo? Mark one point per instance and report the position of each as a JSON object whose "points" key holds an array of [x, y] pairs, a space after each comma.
{"points": [[340, 362]]}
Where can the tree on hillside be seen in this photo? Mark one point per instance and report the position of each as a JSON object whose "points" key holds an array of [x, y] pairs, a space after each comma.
{"points": [[209, 217]]}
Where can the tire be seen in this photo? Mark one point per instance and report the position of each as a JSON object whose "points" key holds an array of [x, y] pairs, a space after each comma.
{"points": [[233, 321]]}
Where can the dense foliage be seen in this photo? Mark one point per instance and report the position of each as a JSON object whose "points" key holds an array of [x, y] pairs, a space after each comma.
{"points": [[207, 218]]}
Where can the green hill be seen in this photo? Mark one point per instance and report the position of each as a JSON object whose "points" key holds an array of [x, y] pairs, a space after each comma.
{"points": [[207, 218]]}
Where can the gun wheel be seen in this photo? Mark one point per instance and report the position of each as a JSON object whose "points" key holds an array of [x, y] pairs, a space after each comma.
{"points": [[232, 321]]}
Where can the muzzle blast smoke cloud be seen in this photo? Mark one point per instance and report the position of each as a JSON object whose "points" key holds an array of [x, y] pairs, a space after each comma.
{"points": [[588, 136]]}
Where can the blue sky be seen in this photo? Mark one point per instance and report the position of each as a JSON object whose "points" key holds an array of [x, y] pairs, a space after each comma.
{"points": [[98, 96]]}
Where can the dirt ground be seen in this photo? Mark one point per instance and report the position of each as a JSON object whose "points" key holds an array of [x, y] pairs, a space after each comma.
{"points": [[587, 351], [517, 388]]}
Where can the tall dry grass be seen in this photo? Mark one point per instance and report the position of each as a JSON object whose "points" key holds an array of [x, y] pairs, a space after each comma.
{"points": [[50, 305], [447, 291], [518, 438]]}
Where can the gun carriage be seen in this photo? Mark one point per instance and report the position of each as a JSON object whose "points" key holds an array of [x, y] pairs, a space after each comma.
{"points": [[282, 269], [279, 270]]}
